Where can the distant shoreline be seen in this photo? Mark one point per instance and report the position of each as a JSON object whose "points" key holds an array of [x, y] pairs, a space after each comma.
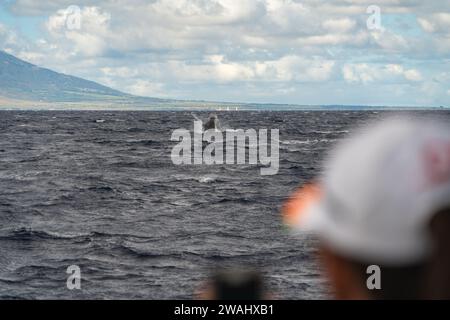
{"points": [[194, 106], [174, 109]]}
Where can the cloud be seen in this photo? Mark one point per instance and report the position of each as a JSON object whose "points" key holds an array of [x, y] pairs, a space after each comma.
{"points": [[412, 75], [282, 50], [369, 73], [216, 68], [9, 39], [436, 22], [146, 88], [437, 25], [87, 29], [342, 25]]}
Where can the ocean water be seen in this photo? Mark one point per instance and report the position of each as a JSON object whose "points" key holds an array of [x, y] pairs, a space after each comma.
{"points": [[104, 195]]}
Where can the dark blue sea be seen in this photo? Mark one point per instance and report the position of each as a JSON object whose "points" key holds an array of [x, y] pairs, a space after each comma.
{"points": [[105, 195]]}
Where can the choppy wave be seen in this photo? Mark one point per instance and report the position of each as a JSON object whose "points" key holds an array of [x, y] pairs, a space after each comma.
{"points": [[107, 197]]}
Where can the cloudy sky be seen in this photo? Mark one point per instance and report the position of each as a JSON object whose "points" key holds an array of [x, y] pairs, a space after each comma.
{"points": [[278, 51]]}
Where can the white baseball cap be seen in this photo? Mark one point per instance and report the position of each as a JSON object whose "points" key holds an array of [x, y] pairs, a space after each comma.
{"points": [[379, 190]]}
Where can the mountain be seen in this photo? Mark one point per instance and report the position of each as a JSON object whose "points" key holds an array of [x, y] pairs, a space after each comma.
{"points": [[24, 85], [20, 80]]}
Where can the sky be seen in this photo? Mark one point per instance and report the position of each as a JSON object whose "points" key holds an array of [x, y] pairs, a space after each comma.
{"points": [[310, 52]]}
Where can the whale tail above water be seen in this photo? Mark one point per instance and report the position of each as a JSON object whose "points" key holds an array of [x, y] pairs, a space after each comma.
{"points": [[212, 123]]}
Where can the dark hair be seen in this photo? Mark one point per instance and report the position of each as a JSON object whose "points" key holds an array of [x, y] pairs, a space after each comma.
{"points": [[437, 279], [405, 282], [429, 279], [238, 285]]}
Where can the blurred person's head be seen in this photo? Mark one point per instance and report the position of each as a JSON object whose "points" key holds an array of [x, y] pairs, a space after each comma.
{"points": [[384, 200], [234, 284]]}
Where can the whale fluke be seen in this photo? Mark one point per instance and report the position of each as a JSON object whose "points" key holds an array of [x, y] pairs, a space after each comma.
{"points": [[212, 123]]}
